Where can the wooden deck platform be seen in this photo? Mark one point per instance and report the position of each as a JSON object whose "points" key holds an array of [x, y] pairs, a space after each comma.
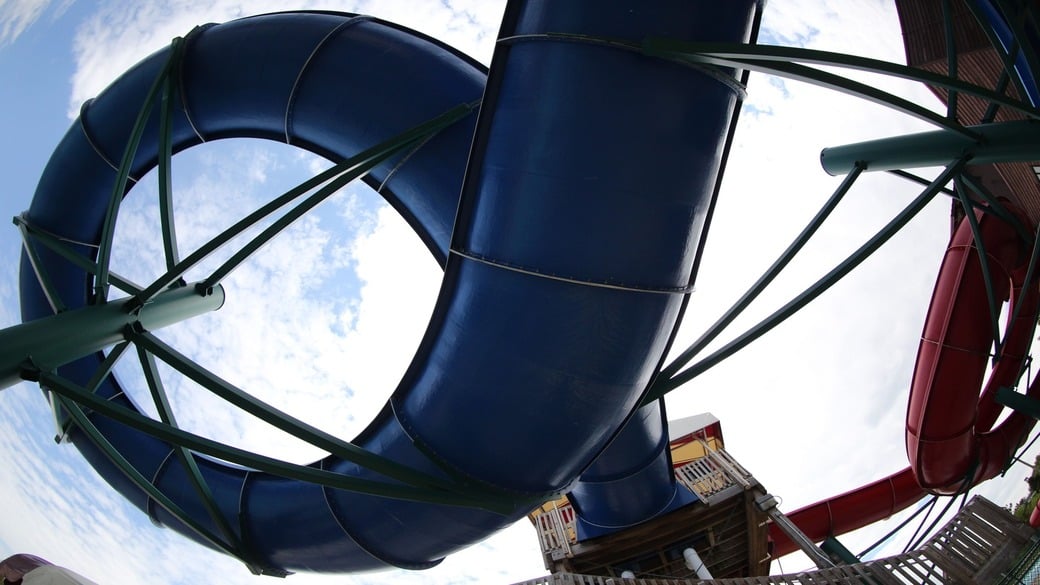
{"points": [[978, 546]]}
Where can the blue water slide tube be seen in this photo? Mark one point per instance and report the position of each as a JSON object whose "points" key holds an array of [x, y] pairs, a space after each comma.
{"points": [[631, 481], [631, 232], [567, 259], [1025, 66]]}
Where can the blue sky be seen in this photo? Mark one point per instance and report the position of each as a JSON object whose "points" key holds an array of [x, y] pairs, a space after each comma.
{"points": [[812, 409]]}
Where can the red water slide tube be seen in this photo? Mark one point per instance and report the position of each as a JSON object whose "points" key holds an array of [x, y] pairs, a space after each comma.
{"points": [[851, 510], [951, 439]]}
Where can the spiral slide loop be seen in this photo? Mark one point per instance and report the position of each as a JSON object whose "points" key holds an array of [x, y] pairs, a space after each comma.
{"points": [[604, 232]]}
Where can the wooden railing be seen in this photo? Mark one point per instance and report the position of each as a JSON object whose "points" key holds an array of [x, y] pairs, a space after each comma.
{"points": [[556, 531], [976, 547], [715, 477], [712, 478]]}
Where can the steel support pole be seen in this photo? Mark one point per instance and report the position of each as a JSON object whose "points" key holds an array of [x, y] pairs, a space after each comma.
{"points": [[59, 339], [1004, 142], [766, 503], [1019, 402]]}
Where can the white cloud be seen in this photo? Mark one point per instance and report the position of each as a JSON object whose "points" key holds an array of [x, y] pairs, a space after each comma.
{"points": [[273, 337], [74, 521], [399, 285], [18, 15]]}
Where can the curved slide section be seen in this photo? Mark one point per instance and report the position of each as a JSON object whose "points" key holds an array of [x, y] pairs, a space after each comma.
{"points": [[849, 511], [585, 195], [952, 442], [950, 434], [631, 481]]}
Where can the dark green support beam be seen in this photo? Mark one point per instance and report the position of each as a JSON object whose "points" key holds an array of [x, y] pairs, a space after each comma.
{"points": [[785, 62], [59, 339], [984, 260], [500, 503], [159, 88], [81, 419], [833, 547], [327, 182], [1018, 402], [1004, 142], [760, 285], [663, 385], [301, 430], [32, 235]]}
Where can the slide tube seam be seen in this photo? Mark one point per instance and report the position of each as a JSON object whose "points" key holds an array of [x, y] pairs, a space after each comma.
{"points": [[581, 282], [714, 71], [155, 483], [441, 45], [463, 478], [614, 527], [303, 69], [659, 449], [88, 136], [404, 160], [181, 90], [337, 517]]}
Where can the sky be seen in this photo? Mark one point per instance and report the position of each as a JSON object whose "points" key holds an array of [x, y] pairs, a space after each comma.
{"points": [[814, 408]]}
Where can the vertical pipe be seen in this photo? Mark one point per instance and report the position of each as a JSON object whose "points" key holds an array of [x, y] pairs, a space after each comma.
{"points": [[767, 504], [695, 564]]}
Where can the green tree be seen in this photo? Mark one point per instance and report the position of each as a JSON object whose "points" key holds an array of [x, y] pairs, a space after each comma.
{"points": [[1024, 508]]}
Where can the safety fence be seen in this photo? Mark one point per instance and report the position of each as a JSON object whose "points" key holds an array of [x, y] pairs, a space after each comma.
{"points": [[1026, 570]]}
